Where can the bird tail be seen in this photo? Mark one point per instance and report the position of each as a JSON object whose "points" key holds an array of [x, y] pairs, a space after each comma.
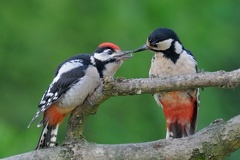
{"points": [[48, 137], [178, 130]]}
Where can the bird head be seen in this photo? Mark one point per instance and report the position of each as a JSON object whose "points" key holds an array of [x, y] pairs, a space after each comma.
{"points": [[162, 40], [109, 52], [109, 57]]}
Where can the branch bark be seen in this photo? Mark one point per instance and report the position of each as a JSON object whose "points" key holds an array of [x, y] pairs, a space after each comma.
{"points": [[123, 87], [214, 142]]}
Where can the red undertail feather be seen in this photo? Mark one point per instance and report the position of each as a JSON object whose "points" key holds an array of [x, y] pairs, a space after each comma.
{"points": [[180, 115], [53, 116]]}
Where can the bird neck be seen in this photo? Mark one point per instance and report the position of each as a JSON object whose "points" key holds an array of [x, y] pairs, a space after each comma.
{"points": [[174, 51], [107, 68]]}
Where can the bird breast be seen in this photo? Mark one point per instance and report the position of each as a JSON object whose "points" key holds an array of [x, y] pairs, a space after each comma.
{"points": [[78, 92], [162, 66]]}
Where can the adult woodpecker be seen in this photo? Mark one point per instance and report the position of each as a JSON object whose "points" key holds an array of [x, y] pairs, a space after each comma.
{"points": [[74, 80], [171, 58]]}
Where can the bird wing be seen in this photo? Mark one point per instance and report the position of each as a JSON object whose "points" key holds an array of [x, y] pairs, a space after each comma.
{"points": [[67, 74]]}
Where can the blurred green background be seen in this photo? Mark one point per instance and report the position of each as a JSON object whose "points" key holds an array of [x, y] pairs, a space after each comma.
{"points": [[36, 36]]}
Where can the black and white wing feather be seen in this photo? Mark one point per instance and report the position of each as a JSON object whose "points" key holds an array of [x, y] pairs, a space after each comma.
{"points": [[67, 74]]}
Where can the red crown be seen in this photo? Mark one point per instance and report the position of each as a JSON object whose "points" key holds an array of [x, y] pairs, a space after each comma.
{"points": [[110, 45]]}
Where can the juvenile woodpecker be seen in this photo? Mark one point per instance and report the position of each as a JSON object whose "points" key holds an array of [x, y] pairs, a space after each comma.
{"points": [[171, 58], [74, 80]]}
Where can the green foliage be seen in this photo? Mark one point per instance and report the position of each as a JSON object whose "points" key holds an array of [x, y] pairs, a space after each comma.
{"points": [[38, 35]]}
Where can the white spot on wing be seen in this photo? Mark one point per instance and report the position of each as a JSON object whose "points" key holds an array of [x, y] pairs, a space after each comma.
{"points": [[49, 94], [68, 66], [42, 102], [54, 98]]}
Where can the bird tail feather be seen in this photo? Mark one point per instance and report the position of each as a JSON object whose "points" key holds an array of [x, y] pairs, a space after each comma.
{"points": [[48, 137]]}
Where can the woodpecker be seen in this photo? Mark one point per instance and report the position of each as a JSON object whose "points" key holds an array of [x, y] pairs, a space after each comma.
{"points": [[74, 80], [171, 58]]}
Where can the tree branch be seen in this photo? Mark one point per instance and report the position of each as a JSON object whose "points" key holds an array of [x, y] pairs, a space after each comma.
{"points": [[214, 142], [150, 86], [122, 87]]}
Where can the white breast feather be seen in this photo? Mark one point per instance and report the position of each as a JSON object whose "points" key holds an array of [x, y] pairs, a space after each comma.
{"points": [[78, 92], [162, 66], [111, 68]]}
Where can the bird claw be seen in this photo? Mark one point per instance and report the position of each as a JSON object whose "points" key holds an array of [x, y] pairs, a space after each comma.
{"points": [[52, 144]]}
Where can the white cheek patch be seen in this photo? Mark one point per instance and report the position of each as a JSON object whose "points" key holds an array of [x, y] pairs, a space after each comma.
{"points": [[164, 45], [178, 47], [103, 56]]}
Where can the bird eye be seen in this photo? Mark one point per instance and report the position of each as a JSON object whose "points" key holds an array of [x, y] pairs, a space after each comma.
{"points": [[108, 51], [154, 45]]}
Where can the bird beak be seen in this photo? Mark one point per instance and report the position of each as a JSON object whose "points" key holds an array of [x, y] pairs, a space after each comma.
{"points": [[123, 55], [142, 48]]}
